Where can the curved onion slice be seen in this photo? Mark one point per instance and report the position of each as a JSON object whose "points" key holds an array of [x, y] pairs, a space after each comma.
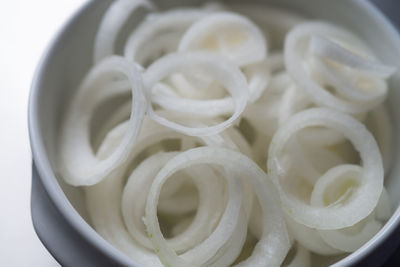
{"points": [[233, 36], [180, 185], [350, 84], [310, 238], [207, 249], [325, 48], [362, 202], [216, 67], [274, 244], [274, 22], [258, 77], [189, 86], [349, 242], [79, 165], [104, 212], [169, 26], [292, 101], [295, 45], [136, 190], [113, 20], [336, 186]]}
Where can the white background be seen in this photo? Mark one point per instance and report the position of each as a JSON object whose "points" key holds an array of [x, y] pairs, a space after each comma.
{"points": [[26, 28]]}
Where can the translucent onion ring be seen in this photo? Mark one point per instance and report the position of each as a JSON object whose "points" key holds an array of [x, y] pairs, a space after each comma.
{"points": [[274, 22], [325, 48], [294, 65], [79, 164], [113, 20], [208, 213], [310, 238], [345, 82], [206, 250], [105, 212], [214, 33], [274, 244], [363, 201], [173, 22], [366, 228], [258, 79], [226, 74]]}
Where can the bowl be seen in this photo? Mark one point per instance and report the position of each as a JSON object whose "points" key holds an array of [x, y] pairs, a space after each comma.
{"points": [[58, 210]]}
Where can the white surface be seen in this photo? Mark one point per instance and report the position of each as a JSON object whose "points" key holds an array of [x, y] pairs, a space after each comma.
{"points": [[26, 27]]}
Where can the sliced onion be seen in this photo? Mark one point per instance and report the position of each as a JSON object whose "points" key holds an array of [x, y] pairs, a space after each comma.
{"points": [[325, 48], [136, 190], [352, 85], [169, 26], [351, 242], [79, 164], [258, 78], [295, 44], [310, 238], [189, 86], [362, 202], [199, 97], [273, 246], [344, 179], [113, 20], [207, 249], [233, 36], [104, 212], [216, 67], [292, 101], [274, 22]]}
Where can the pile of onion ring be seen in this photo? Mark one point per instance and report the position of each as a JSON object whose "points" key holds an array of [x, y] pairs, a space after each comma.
{"points": [[229, 135]]}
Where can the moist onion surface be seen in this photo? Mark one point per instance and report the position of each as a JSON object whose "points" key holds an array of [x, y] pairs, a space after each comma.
{"points": [[230, 135]]}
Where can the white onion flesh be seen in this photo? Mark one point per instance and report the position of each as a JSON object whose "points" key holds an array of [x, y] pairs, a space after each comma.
{"points": [[363, 200], [80, 165], [297, 39], [226, 74], [160, 31], [229, 135], [327, 49], [233, 36], [113, 20]]}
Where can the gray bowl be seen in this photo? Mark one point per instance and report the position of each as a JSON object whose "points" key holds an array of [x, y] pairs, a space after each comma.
{"points": [[58, 210]]}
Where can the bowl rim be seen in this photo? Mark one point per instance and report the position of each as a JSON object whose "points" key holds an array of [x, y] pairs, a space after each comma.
{"points": [[40, 157], [72, 217]]}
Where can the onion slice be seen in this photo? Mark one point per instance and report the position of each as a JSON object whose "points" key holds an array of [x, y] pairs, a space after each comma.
{"points": [[328, 49], [295, 51], [215, 66], [167, 25], [362, 202], [228, 34], [274, 244], [113, 20], [78, 163]]}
